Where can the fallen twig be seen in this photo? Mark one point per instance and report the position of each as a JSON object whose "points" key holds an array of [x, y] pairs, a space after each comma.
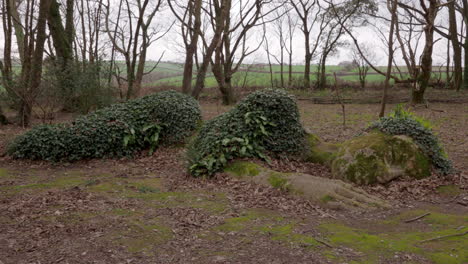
{"points": [[417, 218], [323, 242], [441, 237]]}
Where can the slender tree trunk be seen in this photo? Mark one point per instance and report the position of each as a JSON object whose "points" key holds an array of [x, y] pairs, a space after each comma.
{"points": [[308, 58], [192, 48], [290, 78], [322, 79], [282, 66], [465, 70], [457, 57], [390, 57], [19, 32]]}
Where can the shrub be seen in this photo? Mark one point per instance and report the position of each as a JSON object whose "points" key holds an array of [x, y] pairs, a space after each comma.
{"points": [[266, 120], [402, 122], [116, 131]]}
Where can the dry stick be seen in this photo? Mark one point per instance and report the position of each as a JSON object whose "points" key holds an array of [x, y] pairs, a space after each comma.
{"points": [[441, 237], [417, 218], [323, 242]]}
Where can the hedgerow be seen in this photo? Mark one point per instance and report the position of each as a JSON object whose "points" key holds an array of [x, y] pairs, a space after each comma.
{"points": [[402, 122], [116, 131], [266, 121]]}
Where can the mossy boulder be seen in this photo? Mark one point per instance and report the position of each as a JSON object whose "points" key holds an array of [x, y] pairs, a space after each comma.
{"points": [[319, 151], [330, 193], [376, 157]]}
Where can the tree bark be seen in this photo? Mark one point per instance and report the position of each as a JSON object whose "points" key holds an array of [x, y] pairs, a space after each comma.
{"points": [[308, 59], [457, 57], [191, 49], [33, 79], [61, 37], [393, 10], [426, 58]]}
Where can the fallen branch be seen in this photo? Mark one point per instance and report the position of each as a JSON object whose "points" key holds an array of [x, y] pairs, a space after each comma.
{"points": [[442, 237], [417, 218]]}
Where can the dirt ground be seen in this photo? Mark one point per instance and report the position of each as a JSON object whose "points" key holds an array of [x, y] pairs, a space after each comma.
{"points": [[149, 210]]}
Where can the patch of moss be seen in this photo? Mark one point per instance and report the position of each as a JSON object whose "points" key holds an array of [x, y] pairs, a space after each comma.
{"points": [[243, 168], [449, 190], [4, 173], [327, 198], [376, 245], [65, 182], [321, 152], [141, 237], [279, 181], [124, 212], [286, 233], [248, 221]]}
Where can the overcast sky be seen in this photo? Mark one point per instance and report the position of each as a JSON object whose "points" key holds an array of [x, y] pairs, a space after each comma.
{"points": [[170, 44]]}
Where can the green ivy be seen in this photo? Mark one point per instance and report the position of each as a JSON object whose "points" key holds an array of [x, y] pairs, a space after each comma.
{"points": [[116, 131], [403, 122], [266, 121]]}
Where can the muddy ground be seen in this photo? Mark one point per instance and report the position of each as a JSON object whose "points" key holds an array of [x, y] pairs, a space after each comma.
{"points": [[149, 210]]}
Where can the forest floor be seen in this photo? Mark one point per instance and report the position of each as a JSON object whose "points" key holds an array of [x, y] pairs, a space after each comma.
{"points": [[149, 210]]}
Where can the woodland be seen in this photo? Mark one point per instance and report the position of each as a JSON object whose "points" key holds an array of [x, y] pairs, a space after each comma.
{"points": [[234, 131]]}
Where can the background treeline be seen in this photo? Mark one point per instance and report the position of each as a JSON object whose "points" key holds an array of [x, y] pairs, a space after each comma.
{"points": [[80, 55]]}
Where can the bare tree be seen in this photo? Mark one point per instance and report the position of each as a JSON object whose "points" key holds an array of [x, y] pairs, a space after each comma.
{"points": [[31, 37], [292, 22], [426, 15], [308, 12], [234, 48], [215, 13], [392, 8], [189, 16], [133, 35], [361, 64]]}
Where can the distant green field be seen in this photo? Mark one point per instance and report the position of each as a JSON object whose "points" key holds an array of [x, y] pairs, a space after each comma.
{"points": [[170, 74]]}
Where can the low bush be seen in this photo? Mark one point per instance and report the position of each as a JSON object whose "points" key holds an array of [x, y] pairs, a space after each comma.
{"points": [[115, 131], [402, 122], [266, 121]]}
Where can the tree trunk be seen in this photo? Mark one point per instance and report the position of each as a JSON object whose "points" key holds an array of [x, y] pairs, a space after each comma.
{"points": [[390, 57], [426, 58], [282, 66], [465, 72], [3, 119], [308, 58], [322, 78], [192, 48], [227, 92], [290, 78], [19, 32], [61, 37], [457, 57], [33, 80]]}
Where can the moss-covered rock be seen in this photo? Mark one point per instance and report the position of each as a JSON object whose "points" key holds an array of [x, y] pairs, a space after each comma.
{"points": [[319, 151], [331, 193], [379, 158]]}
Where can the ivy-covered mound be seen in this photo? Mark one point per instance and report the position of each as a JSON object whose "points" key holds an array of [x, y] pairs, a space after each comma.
{"points": [[265, 121], [402, 122], [397, 145], [116, 131]]}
